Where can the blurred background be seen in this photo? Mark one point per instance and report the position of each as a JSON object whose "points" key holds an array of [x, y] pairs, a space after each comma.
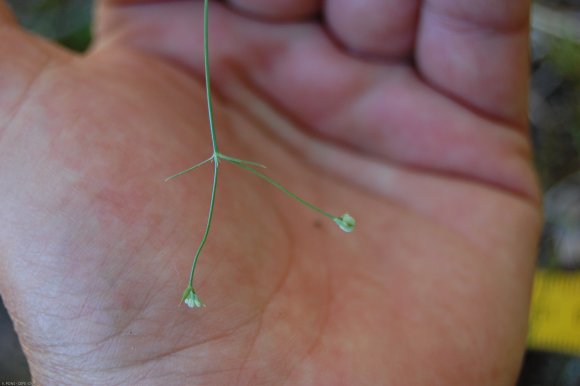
{"points": [[554, 355]]}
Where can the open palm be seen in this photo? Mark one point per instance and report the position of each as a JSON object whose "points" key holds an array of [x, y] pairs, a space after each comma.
{"points": [[409, 115]]}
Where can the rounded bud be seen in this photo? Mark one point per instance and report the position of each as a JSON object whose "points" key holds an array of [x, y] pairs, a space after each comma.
{"points": [[346, 222], [191, 299]]}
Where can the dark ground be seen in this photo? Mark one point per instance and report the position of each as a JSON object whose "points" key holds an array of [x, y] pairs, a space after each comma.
{"points": [[555, 127]]}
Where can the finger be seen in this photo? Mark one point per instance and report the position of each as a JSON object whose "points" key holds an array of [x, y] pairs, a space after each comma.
{"points": [[383, 28], [129, 2], [477, 52], [279, 9], [381, 109]]}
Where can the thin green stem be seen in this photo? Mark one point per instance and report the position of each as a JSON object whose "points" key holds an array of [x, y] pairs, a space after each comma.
{"points": [[189, 169], [280, 187], [209, 218], [237, 160], [345, 222], [213, 137], [207, 76]]}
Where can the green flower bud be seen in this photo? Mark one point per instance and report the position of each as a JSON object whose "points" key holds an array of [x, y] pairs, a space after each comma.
{"points": [[346, 222], [191, 299]]}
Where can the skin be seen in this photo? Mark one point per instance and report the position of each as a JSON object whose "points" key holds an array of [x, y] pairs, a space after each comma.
{"points": [[409, 115]]}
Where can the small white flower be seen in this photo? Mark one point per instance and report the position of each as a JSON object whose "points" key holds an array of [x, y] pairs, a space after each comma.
{"points": [[191, 299], [346, 222]]}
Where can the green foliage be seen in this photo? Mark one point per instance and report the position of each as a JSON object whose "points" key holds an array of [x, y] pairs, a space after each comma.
{"points": [[65, 21], [565, 56]]}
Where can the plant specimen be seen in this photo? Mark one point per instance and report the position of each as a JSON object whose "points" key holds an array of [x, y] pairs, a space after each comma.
{"points": [[345, 222]]}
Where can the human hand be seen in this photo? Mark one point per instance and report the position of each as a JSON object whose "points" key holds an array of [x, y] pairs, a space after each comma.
{"points": [[411, 117]]}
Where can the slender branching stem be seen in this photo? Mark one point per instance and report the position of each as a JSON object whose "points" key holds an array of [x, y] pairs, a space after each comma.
{"points": [[215, 157], [237, 160], [190, 169], [189, 295], [345, 222], [277, 185], [209, 219], [208, 78]]}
